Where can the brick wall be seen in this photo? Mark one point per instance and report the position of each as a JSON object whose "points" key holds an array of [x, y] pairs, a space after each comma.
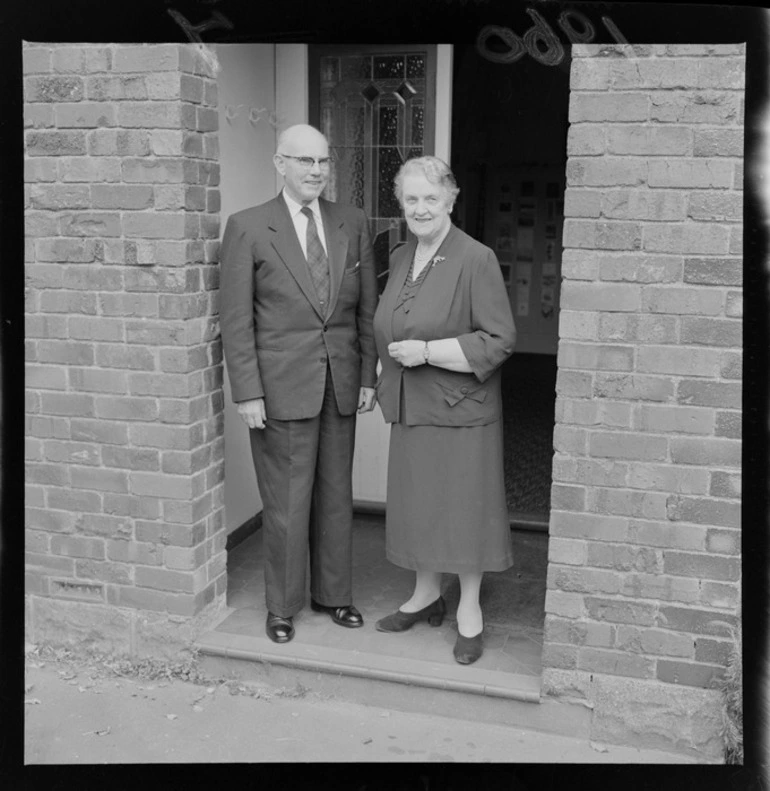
{"points": [[124, 513], [645, 527]]}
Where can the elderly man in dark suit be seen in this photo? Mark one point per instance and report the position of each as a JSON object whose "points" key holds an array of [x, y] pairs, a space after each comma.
{"points": [[298, 293]]}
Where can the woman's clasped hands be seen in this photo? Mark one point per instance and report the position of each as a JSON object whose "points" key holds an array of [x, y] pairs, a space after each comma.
{"points": [[407, 353]]}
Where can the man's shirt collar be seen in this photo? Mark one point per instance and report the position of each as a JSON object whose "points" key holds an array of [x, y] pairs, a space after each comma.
{"points": [[295, 208]]}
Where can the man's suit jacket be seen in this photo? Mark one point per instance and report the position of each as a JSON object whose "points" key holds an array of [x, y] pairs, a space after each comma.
{"points": [[277, 342], [463, 297]]}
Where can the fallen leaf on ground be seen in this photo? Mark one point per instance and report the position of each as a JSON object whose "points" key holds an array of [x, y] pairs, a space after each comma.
{"points": [[197, 708], [367, 741], [599, 748], [210, 690], [171, 716], [102, 732], [28, 688], [33, 701]]}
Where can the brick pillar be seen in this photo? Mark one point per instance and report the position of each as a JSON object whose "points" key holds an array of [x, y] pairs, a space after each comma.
{"points": [[124, 521], [645, 528]]}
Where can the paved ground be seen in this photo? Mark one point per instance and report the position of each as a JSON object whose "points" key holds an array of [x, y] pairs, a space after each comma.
{"points": [[81, 712]]}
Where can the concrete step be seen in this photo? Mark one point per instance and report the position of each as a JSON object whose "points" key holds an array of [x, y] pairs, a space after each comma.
{"points": [[402, 683]]}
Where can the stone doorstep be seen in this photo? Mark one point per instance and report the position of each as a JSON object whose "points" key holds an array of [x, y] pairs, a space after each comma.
{"points": [[399, 683], [365, 664]]}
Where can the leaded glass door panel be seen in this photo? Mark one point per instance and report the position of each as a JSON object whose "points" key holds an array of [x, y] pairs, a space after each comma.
{"points": [[376, 106]]}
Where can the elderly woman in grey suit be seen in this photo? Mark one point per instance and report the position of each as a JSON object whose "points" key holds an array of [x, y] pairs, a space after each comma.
{"points": [[443, 328]]}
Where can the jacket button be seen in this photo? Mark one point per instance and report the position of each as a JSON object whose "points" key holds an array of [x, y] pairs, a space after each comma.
{"points": [[325, 328], [463, 389]]}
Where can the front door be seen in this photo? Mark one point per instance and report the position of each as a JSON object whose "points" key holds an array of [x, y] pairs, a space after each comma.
{"points": [[377, 107]]}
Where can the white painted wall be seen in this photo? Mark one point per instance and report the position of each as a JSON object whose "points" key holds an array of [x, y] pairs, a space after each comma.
{"points": [[246, 147], [291, 89], [262, 87], [444, 65]]}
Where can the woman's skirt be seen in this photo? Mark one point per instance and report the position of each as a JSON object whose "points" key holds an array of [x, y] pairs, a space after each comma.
{"points": [[446, 508]]}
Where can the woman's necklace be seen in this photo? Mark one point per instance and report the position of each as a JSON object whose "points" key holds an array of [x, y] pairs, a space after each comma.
{"points": [[420, 256], [421, 259]]}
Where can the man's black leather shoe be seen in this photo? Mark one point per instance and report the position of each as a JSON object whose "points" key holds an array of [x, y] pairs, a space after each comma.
{"points": [[279, 630], [344, 616]]}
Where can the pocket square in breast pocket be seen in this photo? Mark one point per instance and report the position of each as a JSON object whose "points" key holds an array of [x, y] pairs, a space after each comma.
{"points": [[351, 270]]}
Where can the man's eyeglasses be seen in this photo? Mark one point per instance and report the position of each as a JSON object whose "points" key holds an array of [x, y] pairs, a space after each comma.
{"points": [[307, 162]]}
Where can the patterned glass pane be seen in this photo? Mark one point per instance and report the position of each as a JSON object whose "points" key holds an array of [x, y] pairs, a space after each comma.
{"points": [[415, 66], [390, 162], [388, 126], [349, 176], [357, 68], [418, 124], [389, 66], [371, 92], [372, 109], [405, 92], [330, 69], [354, 126], [327, 122]]}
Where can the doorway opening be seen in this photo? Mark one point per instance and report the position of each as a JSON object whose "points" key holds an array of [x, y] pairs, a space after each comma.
{"points": [[509, 152]]}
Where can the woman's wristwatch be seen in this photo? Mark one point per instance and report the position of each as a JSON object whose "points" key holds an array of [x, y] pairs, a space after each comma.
{"points": [[426, 353]]}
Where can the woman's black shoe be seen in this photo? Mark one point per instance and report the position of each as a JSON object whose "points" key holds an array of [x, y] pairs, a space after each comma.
{"points": [[401, 621], [468, 649]]}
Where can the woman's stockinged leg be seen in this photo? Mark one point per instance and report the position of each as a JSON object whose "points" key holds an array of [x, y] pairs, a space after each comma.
{"points": [[469, 618], [427, 588]]}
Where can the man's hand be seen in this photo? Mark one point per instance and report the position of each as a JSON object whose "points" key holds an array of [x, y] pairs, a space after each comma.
{"points": [[253, 412], [408, 353], [366, 400]]}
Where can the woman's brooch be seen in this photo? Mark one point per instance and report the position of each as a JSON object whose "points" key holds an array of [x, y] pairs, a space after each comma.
{"points": [[437, 259]]}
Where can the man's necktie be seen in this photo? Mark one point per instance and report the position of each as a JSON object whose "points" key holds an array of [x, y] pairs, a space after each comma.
{"points": [[317, 261]]}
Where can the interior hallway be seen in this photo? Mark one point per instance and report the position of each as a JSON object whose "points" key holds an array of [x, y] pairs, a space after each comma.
{"points": [[529, 403]]}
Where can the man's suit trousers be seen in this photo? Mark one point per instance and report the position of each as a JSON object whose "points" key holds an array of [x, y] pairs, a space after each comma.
{"points": [[304, 472]]}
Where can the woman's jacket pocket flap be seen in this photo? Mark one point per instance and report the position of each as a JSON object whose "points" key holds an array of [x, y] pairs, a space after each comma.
{"points": [[453, 395]]}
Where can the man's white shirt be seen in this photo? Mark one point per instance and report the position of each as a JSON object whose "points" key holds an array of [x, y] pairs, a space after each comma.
{"points": [[300, 221]]}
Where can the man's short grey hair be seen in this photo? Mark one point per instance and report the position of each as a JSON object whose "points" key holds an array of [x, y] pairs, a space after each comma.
{"points": [[292, 130], [434, 169]]}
